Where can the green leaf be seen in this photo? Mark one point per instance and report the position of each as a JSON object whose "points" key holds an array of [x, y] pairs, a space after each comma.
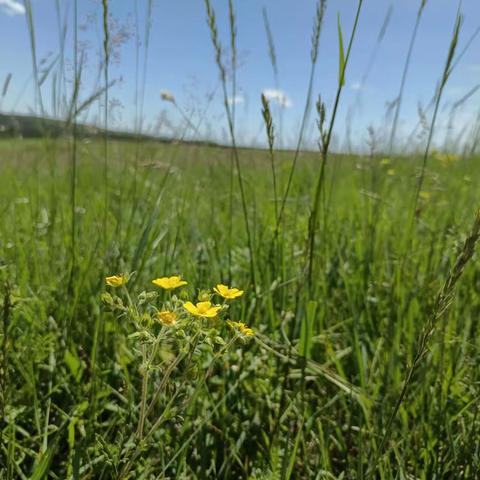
{"points": [[73, 363], [293, 454], [306, 330], [341, 55], [71, 433], [42, 464]]}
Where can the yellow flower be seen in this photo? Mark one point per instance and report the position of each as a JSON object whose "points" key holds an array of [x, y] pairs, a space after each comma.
{"points": [[169, 283], [386, 161], [391, 172], [226, 292], [241, 328], [117, 280], [446, 158], [166, 317], [201, 309]]}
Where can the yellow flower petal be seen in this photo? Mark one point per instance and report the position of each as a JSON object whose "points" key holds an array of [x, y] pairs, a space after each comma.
{"points": [[117, 280], [169, 283], [227, 292], [241, 328], [190, 307], [202, 309], [166, 317]]}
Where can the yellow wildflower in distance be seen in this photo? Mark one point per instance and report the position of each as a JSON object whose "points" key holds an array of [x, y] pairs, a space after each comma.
{"points": [[169, 283], [166, 317], [391, 172], [117, 280], [386, 161], [241, 328], [227, 292], [447, 158], [201, 309]]}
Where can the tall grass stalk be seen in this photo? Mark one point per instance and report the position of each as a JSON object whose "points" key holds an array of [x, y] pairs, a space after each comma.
{"points": [[317, 28], [223, 77], [326, 136], [270, 131], [399, 99], [451, 120], [140, 83], [60, 85], [33, 51], [106, 60], [6, 84], [5, 363], [233, 67], [271, 46], [272, 55], [99, 323], [431, 103], [73, 184], [443, 81]]}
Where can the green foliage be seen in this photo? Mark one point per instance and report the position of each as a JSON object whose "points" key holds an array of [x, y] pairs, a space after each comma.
{"points": [[292, 402]]}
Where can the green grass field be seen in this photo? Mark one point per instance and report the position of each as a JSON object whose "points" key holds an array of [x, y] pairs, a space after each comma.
{"points": [[310, 394]]}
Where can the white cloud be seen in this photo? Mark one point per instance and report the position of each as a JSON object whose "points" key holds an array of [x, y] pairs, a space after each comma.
{"points": [[278, 96], [236, 100], [356, 86], [12, 7]]}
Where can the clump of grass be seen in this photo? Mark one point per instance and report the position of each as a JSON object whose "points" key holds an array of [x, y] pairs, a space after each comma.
{"points": [[211, 20], [440, 308]]}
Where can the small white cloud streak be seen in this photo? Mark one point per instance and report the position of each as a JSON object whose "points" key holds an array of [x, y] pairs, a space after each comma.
{"points": [[278, 96], [12, 7], [236, 100], [356, 86]]}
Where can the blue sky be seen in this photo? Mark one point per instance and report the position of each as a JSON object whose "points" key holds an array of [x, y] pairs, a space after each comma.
{"points": [[181, 61]]}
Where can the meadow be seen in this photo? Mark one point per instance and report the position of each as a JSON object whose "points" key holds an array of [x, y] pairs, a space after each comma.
{"points": [[349, 351], [310, 393]]}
